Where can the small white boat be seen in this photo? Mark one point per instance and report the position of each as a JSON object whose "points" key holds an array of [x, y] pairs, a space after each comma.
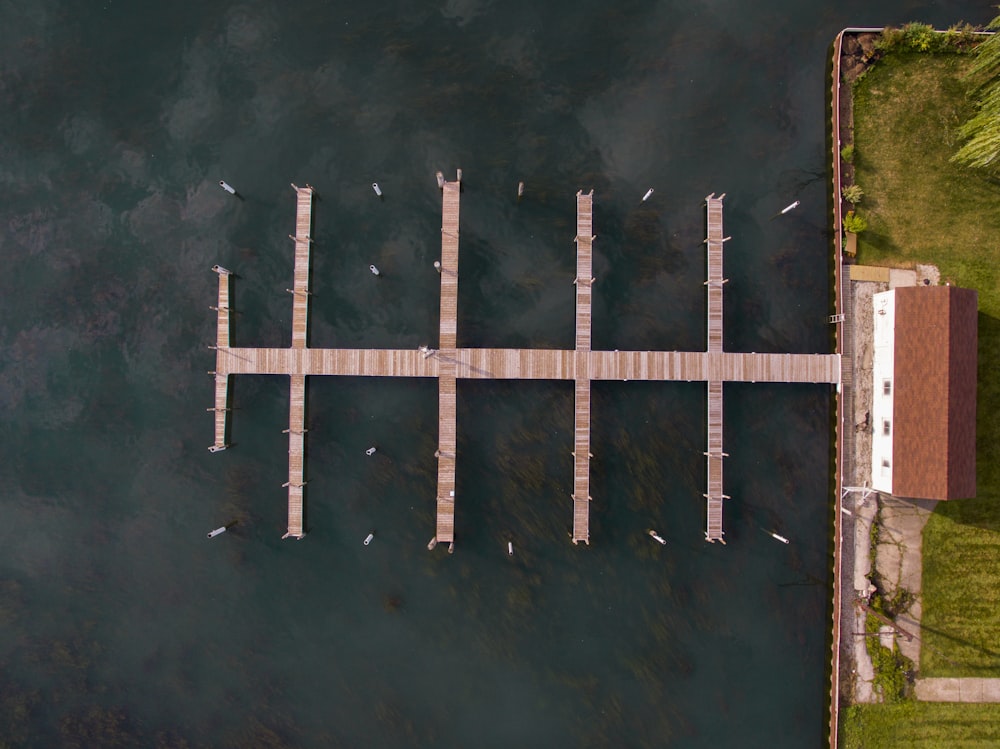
{"points": [[657, 537], [790, 206], [370, 451], [440, 179], [779, 538], [510, 548], [377, 189], [216, 532], [648, 195], [375, 271], [368, 538]]}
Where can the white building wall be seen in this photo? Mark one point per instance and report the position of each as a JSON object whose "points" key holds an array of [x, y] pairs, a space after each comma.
{"points": [[883, 389]]}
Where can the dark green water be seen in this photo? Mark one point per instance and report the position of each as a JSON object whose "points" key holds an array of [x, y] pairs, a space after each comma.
{"points": [[120, 625]]}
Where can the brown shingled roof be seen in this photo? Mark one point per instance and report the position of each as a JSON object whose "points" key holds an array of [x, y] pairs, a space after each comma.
{"points": [[934, 393]]}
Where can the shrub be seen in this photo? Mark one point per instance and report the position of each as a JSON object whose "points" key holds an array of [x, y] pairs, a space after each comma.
{"points": [[854, 223], [853, 194], [891, 666], [921, 37], [891, 38], [847, 153], [961, 37]]}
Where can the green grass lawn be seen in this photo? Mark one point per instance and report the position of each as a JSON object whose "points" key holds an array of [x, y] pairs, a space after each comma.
{"points": [[921, 725], [922, 208]]}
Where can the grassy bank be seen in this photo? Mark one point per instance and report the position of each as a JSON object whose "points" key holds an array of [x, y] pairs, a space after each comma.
{"points": [[922, 208], [920, 725]]}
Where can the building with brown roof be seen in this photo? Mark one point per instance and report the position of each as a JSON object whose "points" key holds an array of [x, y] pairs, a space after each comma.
{"points": [[924, 392]]}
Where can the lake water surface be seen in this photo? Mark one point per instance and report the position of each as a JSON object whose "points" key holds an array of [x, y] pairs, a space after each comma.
{"points": [[121, 625]]}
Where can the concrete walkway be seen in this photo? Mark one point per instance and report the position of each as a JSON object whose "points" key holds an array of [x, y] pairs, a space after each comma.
{"points": [[958, 690], [899, 561]]}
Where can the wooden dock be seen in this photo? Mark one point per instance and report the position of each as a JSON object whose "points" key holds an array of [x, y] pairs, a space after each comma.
{"points": [[448, 364], [296, 456], [714, 455], [221, 407], [297, 393], [303, 243], [662, 366], [581, 427], [715, 281], [447, 342]]}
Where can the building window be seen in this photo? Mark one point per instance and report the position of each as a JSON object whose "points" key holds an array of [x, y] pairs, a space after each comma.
{"points": [[886, 387], [885, 427]]}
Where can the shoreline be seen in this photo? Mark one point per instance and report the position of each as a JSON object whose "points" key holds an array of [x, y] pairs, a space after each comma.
{"points": [[843, 665], [890, 562]]}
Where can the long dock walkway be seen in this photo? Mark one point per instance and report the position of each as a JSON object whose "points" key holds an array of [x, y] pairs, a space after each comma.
{"points": [[221, 407], [296, 457], [581, 427], [303, 243], [714, 497], [449, 363], [451, 194], [297, 394]]}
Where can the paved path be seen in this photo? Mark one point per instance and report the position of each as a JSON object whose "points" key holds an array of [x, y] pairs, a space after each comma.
{"points": [[958, 690]]}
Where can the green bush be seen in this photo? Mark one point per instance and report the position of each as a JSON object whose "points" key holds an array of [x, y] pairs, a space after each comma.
{"points": [[853, 194], [847, 153], [854, 223], [890, 666], [890, 39], [961, 37], [921, 37]]}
